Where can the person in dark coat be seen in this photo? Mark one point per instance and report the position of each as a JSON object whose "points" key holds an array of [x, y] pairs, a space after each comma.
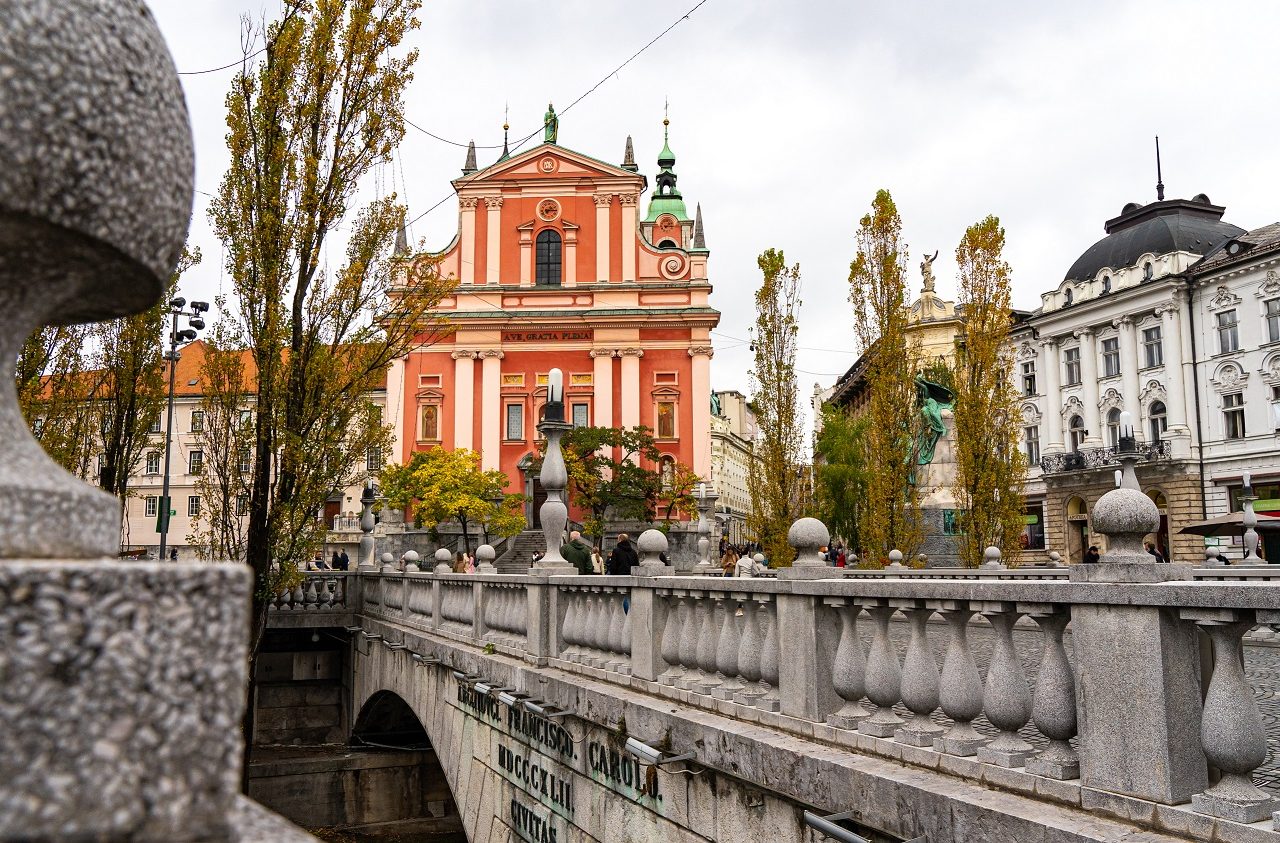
{"points": [[1091, 556], [336, 562], [346, 562], [578, 553], [623, 557]]}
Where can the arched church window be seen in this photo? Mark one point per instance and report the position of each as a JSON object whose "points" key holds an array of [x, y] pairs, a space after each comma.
{"points": [[668, 244], [547, 260], [1158, 420]]}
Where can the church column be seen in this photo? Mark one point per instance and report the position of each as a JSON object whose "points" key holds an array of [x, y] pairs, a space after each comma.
{"points": [[629, 230], [603, 201], [570, 255], [1171, 336], [464, 381], [467, 248], [393, 413], [631, 386], [1052, 397], [493, 266], [526, 257], [1129, 363], [1089, 385], [602, 387], [490, 409], [701, 388]]}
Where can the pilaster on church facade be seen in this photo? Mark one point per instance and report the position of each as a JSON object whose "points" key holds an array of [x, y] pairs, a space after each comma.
{"points": [[555, 266]]}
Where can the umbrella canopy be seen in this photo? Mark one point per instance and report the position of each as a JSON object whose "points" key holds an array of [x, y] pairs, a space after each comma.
{"points": [[1231, 524]]}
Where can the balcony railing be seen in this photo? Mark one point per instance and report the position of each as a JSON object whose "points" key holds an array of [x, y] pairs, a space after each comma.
{"points": [[1085, 459]]}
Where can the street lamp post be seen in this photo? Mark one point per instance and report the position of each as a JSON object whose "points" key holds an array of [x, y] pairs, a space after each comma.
{"points": [[195, 322]]}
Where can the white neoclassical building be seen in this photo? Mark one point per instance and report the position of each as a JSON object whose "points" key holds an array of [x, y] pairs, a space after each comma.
{"points": [[1125, 332]]}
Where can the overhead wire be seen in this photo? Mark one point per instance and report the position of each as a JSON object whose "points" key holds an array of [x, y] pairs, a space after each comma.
{"points": [[522, 141], [241, 60]]}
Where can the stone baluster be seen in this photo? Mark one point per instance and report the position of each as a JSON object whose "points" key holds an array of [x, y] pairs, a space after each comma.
{"points": [[569, 639], [1053, 706], [1231, 727], [708, 638], [284, 599], [749, 654], [884, 675], [960, 689], [848, 671], [325, 595], [616, 620], [624, 646], [727, 649], [690, 626], [1006, 699], [590, 619], [671, 635], [299, 597], [919, 687], [600, 632], [770, 653]]}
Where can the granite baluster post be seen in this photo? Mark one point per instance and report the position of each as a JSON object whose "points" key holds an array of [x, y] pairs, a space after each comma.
{"points": [[1231, 730], [850, 667], [960, 686], [1053, 706], [884, 674], [1006, 699], [919, 687]]}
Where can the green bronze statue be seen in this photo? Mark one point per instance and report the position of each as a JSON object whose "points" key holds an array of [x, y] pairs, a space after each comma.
{"points": [[932, 398], [551, 125]]}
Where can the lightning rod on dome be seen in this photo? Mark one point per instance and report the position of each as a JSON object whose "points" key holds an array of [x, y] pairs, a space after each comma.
{"points": [[1159, 176]]}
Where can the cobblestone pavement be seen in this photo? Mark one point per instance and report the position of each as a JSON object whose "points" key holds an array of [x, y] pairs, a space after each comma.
{"points": [[1262, 666]]}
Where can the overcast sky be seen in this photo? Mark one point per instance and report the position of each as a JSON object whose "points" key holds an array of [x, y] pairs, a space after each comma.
{"points": [[787, 116]]}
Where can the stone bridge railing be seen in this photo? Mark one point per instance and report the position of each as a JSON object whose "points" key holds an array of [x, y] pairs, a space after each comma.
{"points": [[1122, 707]]}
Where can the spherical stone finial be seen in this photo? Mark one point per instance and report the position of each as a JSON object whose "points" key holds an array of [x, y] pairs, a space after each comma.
{"points": [[650, 544], [1055, 559], [1125, 516], [443, 555], [387, 559], [895, 557], [807, 535], [96, 159], [991, 557], [96, 177], [486, 553], [410, 561]]}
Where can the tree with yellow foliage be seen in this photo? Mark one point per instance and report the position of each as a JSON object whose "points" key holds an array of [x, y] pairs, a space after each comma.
{"points": [[776, 480], [989, 465], [878, 291]]}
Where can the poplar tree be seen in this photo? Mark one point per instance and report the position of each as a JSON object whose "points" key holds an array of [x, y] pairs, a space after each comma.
{"points": [[989, 465], [306, 122], [54, 382], [878, 291], [776, 478]]}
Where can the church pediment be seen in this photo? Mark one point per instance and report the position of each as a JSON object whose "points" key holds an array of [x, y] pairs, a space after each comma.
{"points": [[548, 161]]}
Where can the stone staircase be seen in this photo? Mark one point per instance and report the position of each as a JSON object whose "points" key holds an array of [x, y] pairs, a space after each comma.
{"points": [[520, 551]]}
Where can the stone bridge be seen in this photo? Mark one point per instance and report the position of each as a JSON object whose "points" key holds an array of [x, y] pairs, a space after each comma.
{"points": [[935, 708]]}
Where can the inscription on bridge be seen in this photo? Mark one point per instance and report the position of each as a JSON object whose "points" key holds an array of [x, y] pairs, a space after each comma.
{"points": [[546, 762]]}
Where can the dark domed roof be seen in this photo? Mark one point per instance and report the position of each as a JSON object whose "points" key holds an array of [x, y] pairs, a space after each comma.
{"points": [[1175, 225]]}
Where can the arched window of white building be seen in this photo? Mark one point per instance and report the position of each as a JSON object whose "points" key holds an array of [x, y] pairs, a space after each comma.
{"points": [[1077, 432], [1157, 420]]}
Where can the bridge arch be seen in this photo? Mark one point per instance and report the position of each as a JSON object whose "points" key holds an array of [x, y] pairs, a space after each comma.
{"points": [[387, 722]]}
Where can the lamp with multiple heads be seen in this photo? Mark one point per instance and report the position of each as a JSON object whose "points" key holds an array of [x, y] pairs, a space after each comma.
{"points": [[423, 661], [654, 757], [195, 322], [543, 709]]}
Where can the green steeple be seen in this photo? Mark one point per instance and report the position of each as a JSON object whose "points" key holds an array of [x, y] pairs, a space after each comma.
{"points": [[666, 197]]}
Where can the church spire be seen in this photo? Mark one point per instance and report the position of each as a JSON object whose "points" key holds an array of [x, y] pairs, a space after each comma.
{"points": [[402, 240], [629, 157], [506, 125], [699, 239], [666, 196], [470, 166]]}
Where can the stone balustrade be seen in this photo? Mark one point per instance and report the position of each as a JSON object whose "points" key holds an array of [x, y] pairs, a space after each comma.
{"points": [[991, 682], [319, 590]]}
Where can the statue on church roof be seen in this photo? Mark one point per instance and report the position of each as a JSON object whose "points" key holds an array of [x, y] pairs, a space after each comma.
{"points": [[926, 269], [715, 405], [551, 125]]}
